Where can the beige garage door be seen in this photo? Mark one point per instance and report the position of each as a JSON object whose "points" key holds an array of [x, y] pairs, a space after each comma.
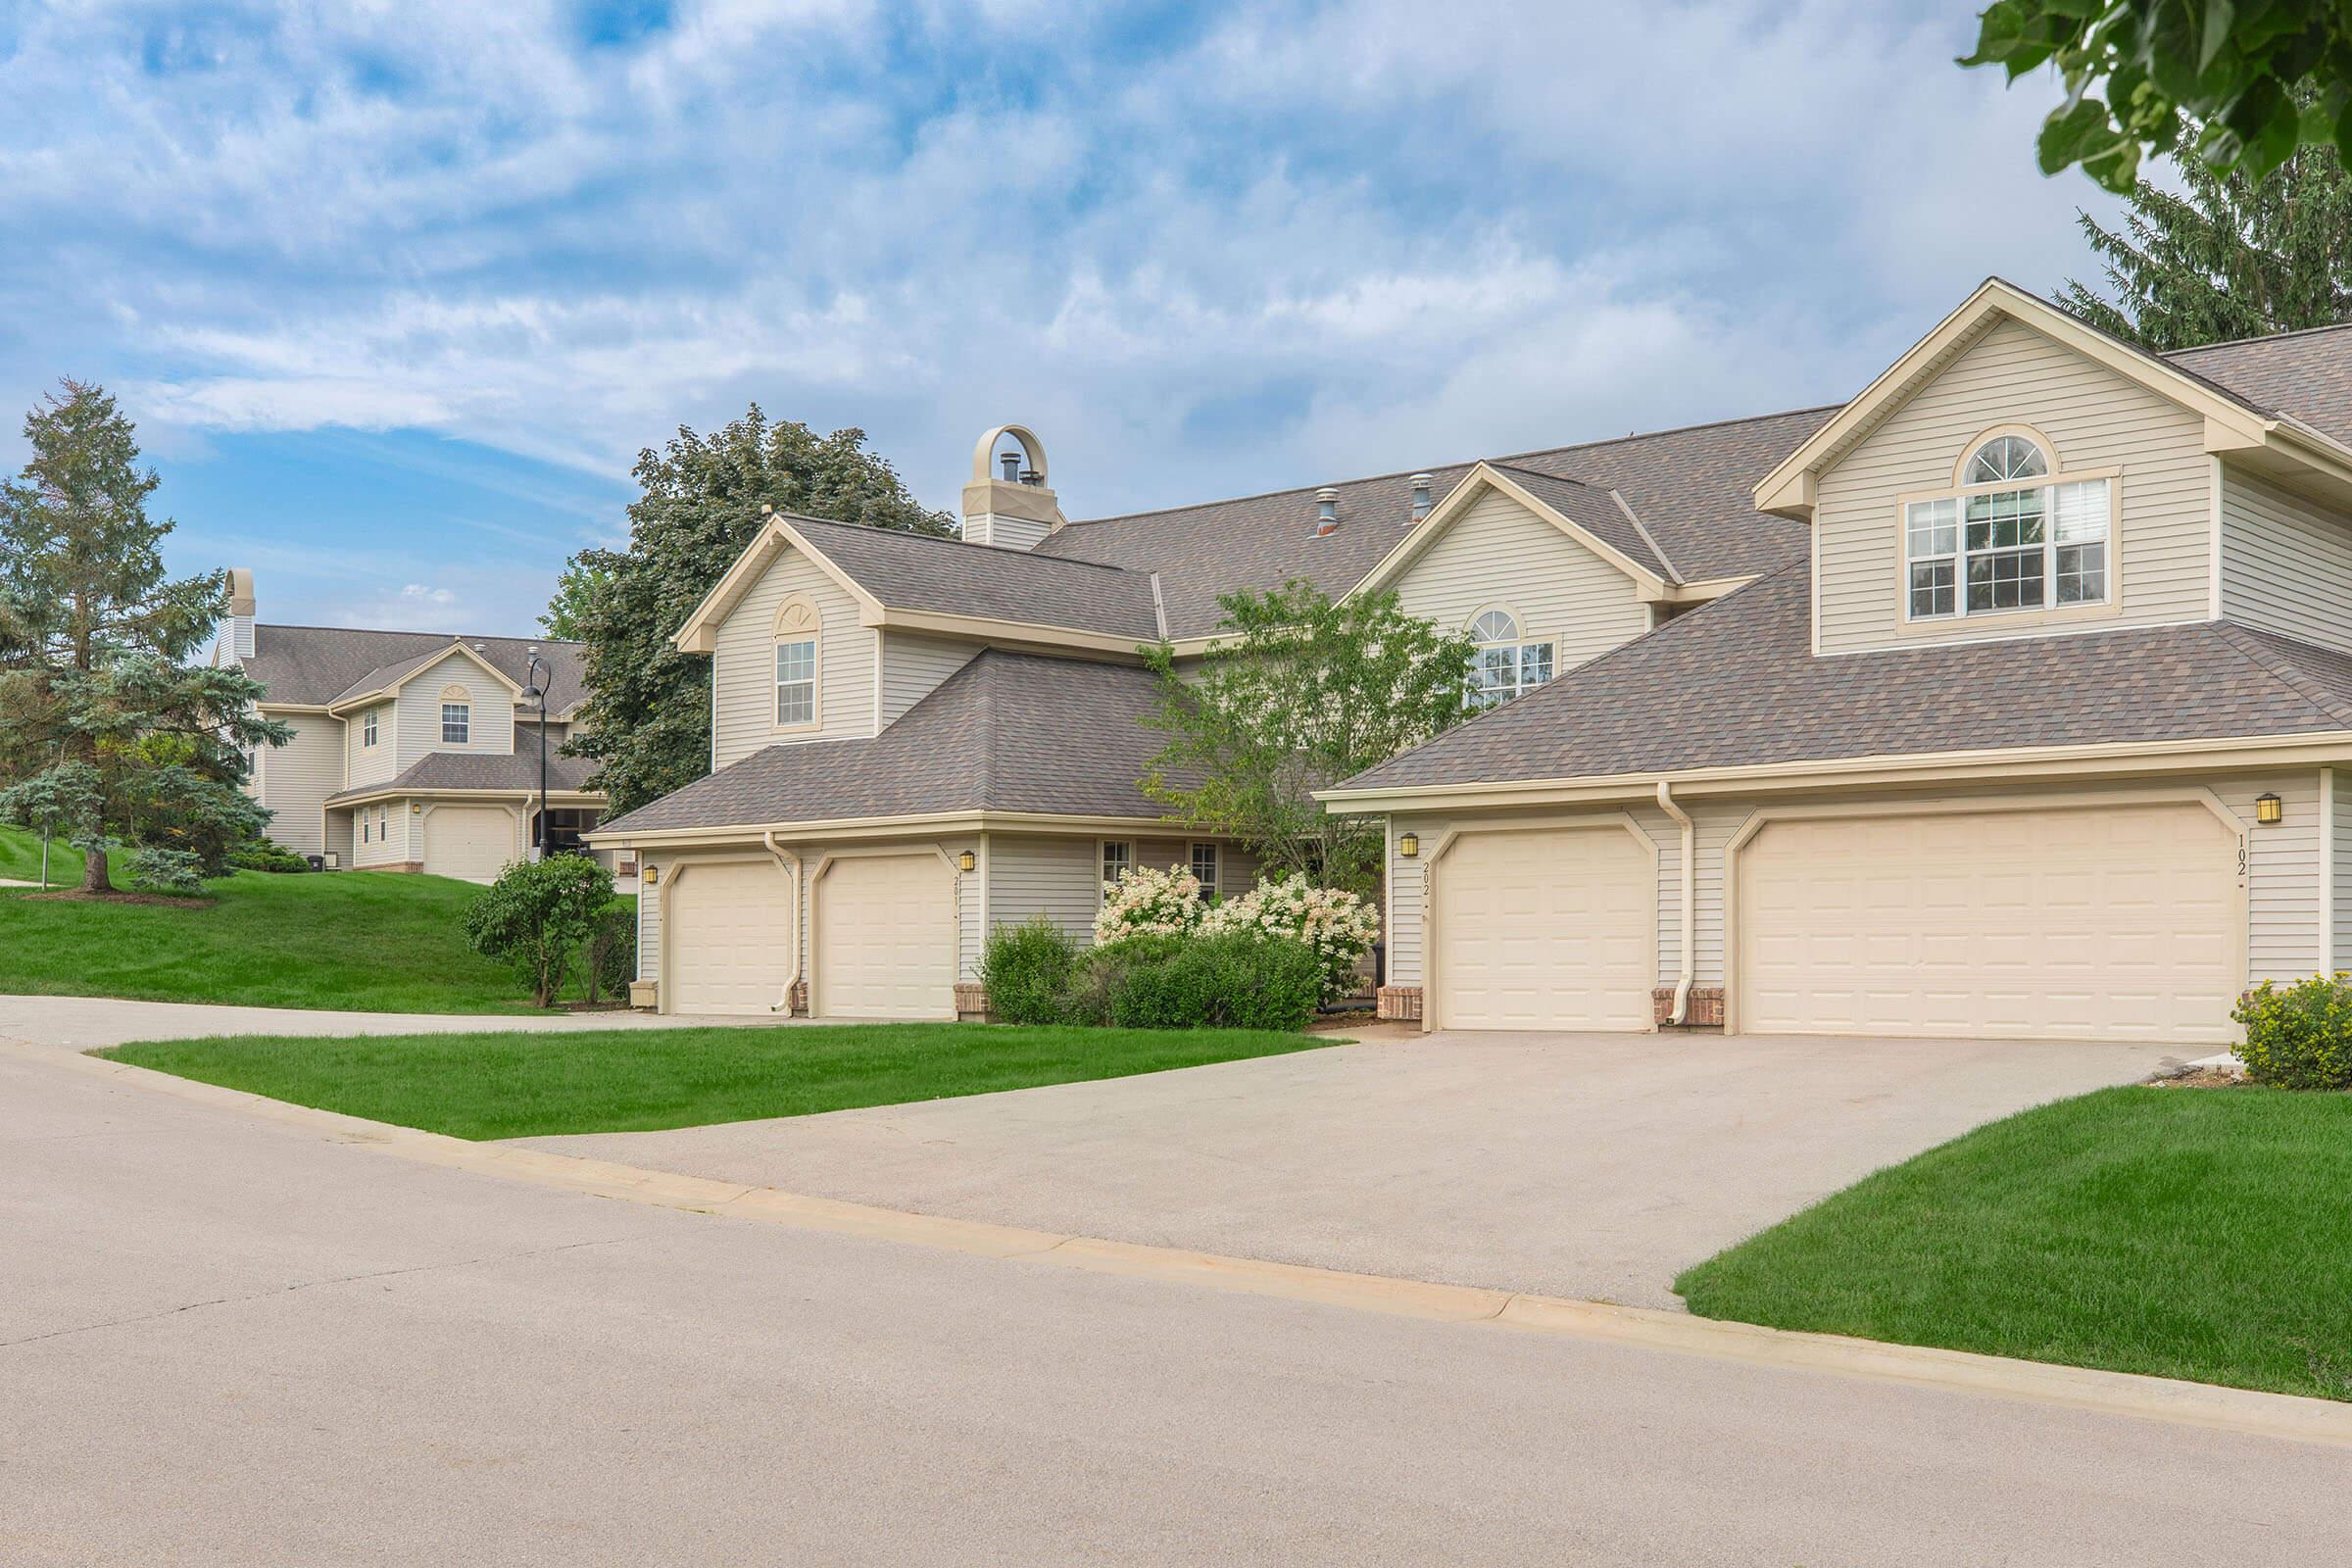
{"points": [[472, 842], [728, 937], [2105, 922], [1546, 929], [886, 937]]}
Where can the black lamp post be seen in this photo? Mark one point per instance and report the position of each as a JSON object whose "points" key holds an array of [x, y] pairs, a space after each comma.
{"points": [[536, 692]]}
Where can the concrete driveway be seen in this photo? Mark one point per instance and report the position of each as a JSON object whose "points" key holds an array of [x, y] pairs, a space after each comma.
{"points": [[1590, 1165]]}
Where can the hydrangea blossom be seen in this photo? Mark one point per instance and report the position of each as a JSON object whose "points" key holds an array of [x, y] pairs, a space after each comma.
{"points": [[1340, 926], [1147, 903]]}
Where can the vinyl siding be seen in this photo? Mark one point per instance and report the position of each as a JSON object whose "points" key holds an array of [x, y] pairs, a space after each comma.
{"points": [[648, 920], [1499, 554], [744, 668], [2287, 563], [1055, 877], [372, 765], [2339, 835], [296, 779], [2284, 937], [395, 846], [2095, 418], [912, 668], [489, 728]]}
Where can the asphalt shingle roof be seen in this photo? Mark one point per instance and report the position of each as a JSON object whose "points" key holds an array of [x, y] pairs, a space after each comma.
{"points": [[2305, 374], [315, 665], [1008, 732], [1691, 488], [1735, 684], [917, 571], [481, 771]]}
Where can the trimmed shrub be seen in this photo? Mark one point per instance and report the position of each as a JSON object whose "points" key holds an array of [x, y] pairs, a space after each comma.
{"points": [[2299, 1037], [1147, 903], [1339, 928], [1229, 981], [176, 872], [537, 915], [1025, 969], [1101, 973], [611, 959], [260, 854]]}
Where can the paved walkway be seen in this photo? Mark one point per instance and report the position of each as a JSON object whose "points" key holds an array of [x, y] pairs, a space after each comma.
{"points": [[1595, 1166], [226, 1341]]}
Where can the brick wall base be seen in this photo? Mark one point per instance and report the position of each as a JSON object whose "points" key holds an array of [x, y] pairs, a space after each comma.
{"points": [[413, 868], [971, 1002], [1705, 1012], [796, 1001], [1399, 1004]]}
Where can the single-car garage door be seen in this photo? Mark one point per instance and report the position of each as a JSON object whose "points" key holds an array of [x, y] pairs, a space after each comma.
{"points": [[2100, 922], [886, 937], [1549, 928], [472, 842], [728, 937]]}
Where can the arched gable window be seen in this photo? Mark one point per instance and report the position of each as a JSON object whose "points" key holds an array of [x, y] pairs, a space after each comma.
{"points": [[1507, 662], [2013, 535], [457, 715], [796, 643]]}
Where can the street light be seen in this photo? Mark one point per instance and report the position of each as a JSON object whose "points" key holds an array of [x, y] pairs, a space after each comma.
{"points": [[537, 672]]}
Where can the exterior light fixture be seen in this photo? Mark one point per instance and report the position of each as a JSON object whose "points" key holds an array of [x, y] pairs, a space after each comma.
{"points": [[415, 808], [967, 861], [650, 876], [2269, 808], [1408, 844]]}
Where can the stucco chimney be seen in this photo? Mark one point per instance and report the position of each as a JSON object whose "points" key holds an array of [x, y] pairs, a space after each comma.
{"points": [[1011, 508]]}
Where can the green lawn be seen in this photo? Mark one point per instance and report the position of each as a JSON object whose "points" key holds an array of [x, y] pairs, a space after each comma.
{"points": [[21, 859], [519, 1084], [2189, 1233], [362, 941]]}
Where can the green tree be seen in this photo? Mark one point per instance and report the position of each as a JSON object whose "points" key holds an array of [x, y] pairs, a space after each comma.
{"points": [[2234, 256], [648, 719], [565, 617], [536, 917], [107, 731], [2233, 84], [1296, 694]]}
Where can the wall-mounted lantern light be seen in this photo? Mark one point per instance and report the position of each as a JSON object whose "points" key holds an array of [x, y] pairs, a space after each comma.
{"points": [[650, 876], [415, 808], [967, 861], [2269, 808], [1408, 844]]}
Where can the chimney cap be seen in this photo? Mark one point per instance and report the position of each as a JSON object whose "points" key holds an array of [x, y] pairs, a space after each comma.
{"points": [[984, 452]]}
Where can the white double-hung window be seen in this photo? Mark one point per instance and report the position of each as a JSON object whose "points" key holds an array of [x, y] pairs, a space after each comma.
{"points": [[1504, 663], [796, 628], [2011, 537]]}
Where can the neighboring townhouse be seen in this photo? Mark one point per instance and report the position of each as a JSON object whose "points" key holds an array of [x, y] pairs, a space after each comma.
{"points": [[2040, 733], [914, 740], [411, 751]]}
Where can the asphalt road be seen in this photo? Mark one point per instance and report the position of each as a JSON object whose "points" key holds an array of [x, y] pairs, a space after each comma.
{"points": [[225, 1340]]}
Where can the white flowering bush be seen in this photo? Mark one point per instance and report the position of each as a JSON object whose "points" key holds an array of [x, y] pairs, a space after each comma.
{"points": [[1147, 903], [1339, 927]]}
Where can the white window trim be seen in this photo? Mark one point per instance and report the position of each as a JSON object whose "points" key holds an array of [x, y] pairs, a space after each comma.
{"points": [[806, 625], [2050, 610], [464, 724], [1213, 885], [1103, 855], [368, 729], [1520, 686]]}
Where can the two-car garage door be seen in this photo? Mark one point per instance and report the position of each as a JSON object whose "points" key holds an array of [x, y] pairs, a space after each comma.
{"points": [[2117, 922], [883, 926]]}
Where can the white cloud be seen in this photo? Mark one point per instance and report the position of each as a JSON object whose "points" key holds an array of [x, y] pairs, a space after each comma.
{"points": [[1313, 240]]}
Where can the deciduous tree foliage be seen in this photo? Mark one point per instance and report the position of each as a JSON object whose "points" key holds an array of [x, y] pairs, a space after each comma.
{"points": [[648, 719], [2234, 84], [2235, 256], [108, 731], [1297, 694]]}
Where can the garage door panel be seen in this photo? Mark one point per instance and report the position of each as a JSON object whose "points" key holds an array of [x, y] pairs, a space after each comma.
{"points": [[472, 843], [1546, 929], [886, 937], [727, 936], [2114, 921]]}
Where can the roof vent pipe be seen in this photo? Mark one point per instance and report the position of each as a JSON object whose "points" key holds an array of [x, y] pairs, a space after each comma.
{"points": [[1421, 484], [1327, 512], [1012, 467]]}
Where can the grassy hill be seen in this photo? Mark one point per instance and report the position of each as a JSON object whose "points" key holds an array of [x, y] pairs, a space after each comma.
{"points": [[364, 942], [21, 859]]}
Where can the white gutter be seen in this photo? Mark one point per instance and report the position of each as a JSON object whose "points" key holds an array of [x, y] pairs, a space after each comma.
{"points": [[1689, 964], [791, 864]]}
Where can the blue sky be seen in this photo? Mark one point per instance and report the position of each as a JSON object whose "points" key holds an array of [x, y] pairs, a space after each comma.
{"points": [[397, 292]]}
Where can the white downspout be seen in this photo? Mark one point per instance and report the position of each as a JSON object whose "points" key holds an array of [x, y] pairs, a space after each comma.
{"points": [[792, 869], [1689, 963]]}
